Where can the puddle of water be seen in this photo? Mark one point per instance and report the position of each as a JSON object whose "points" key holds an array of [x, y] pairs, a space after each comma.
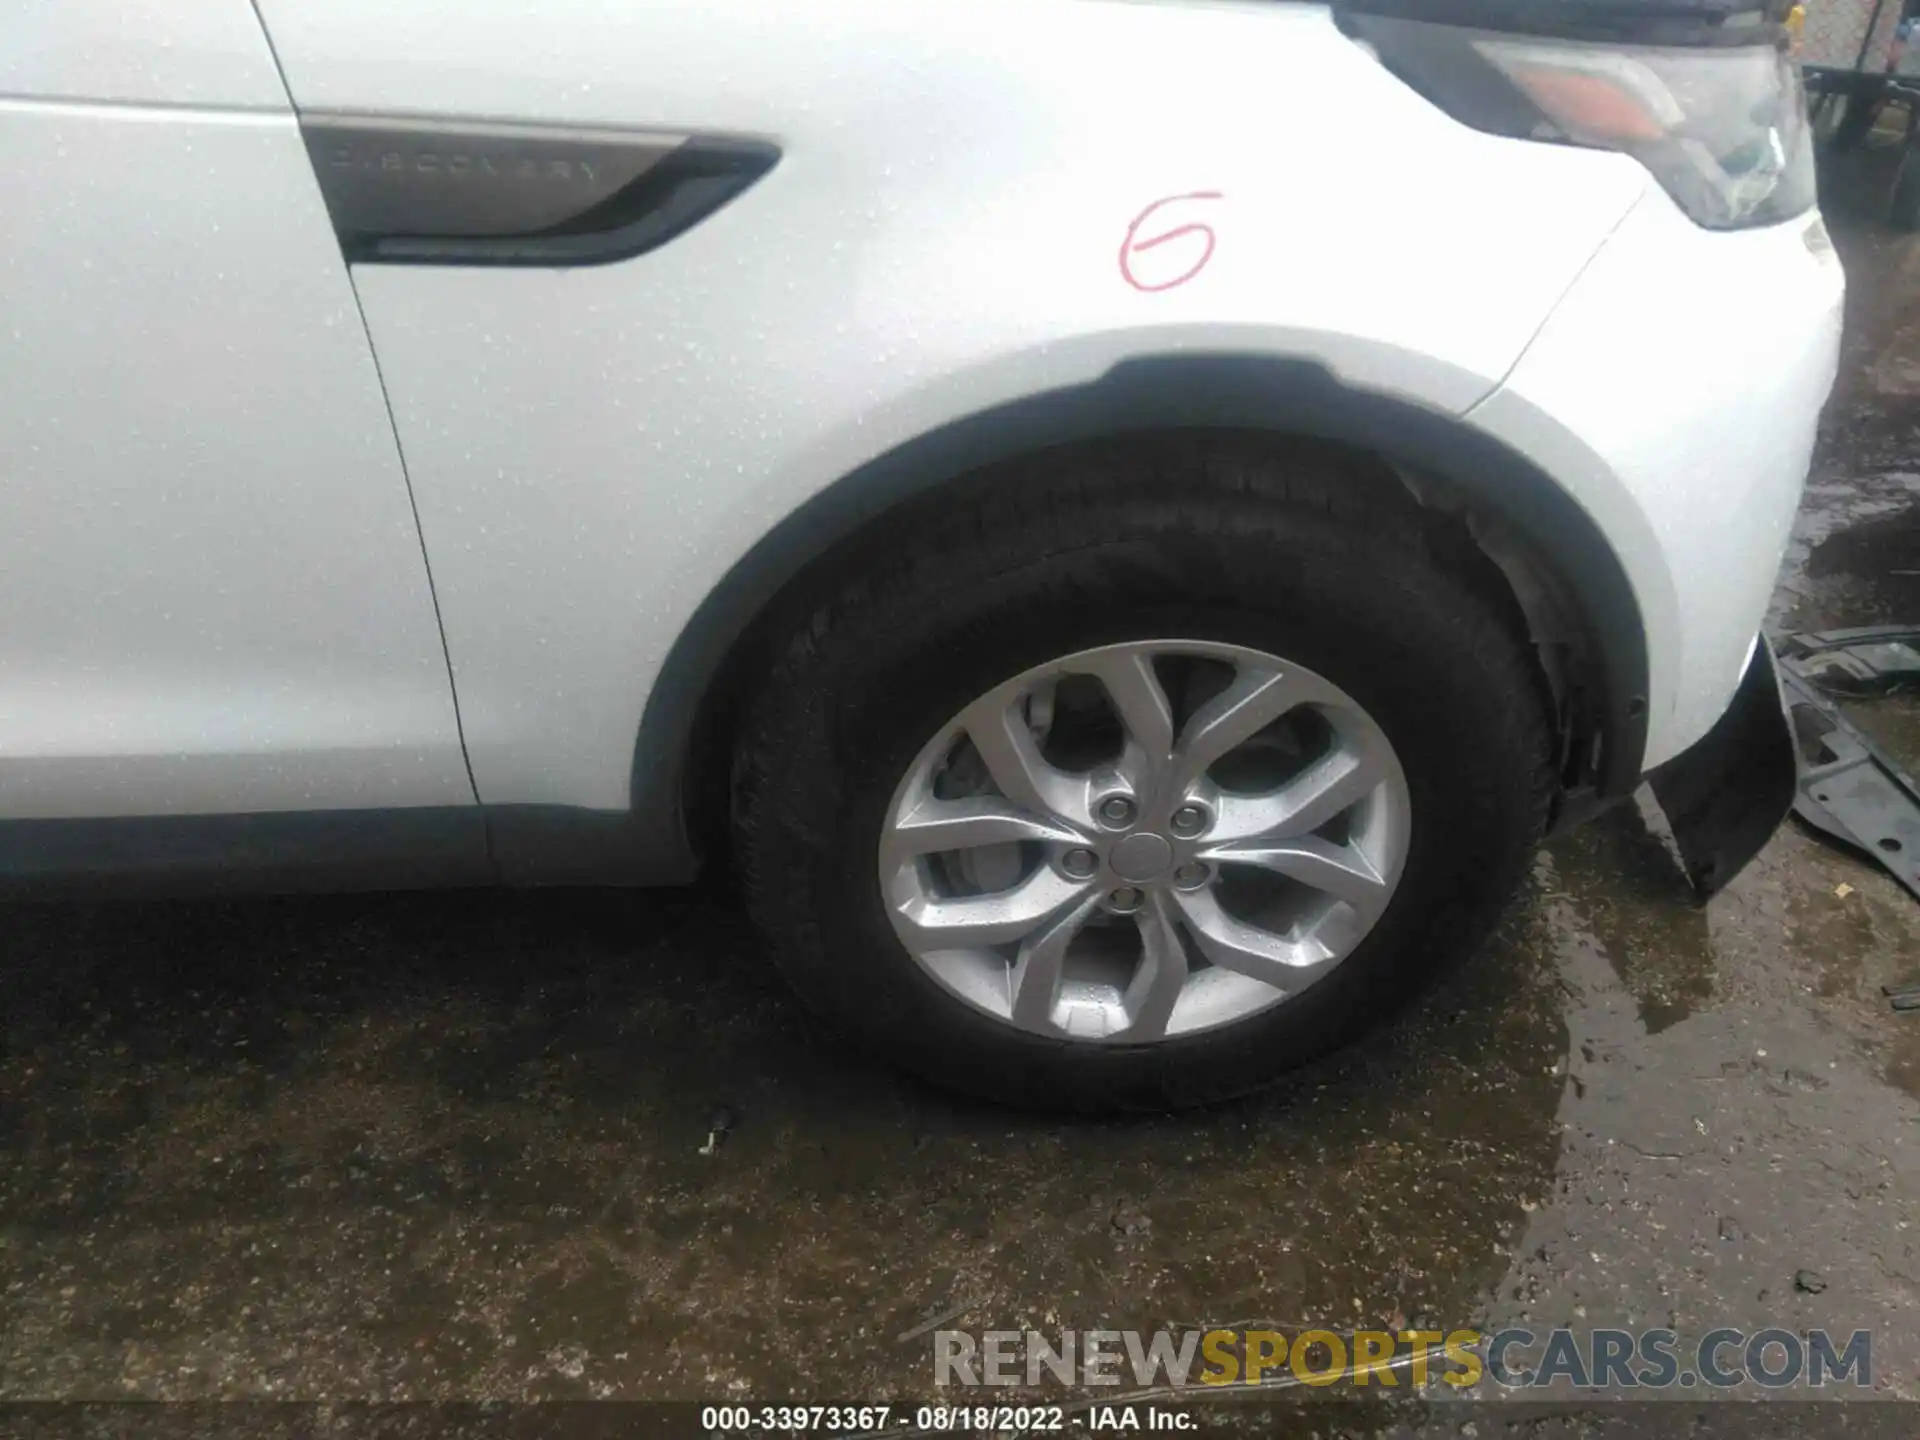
{"points": [[1865, 561], [1702, 1165], [432, 1146], [1854, 556], [1859, 931], [1640, 910]]}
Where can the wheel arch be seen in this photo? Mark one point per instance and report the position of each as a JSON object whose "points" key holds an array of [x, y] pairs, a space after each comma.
{"points": [[1560, 570]]}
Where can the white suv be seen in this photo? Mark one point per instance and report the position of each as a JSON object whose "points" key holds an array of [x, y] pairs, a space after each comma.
{"points": [[1127, 520]]}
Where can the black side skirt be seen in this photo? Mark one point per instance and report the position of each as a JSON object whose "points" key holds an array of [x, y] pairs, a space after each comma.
{"points": [[319, 850]]}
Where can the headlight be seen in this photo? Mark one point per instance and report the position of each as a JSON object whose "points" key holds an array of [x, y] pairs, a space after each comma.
{"points": [[1723, 128]]}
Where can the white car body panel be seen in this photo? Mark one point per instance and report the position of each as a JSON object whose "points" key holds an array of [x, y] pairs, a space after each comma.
{"points": [[1692, 456], [591, 450], [207, 53], [214, 593]]}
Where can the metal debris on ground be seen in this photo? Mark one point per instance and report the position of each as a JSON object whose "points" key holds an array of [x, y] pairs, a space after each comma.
{"points": [[1129, 1219], [1904, 994], [718, 1124], [1849, 787], [1864, 662], [933, 1322]]}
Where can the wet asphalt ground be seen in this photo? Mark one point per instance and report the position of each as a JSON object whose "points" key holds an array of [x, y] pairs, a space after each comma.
{"points": [[450, 1146]]}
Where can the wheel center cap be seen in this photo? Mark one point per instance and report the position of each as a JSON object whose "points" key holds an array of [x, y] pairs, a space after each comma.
{"points": [[1140, 858]]}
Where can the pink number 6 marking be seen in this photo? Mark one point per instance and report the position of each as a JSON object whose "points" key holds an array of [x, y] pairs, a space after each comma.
{"points": [[1134, 247]]}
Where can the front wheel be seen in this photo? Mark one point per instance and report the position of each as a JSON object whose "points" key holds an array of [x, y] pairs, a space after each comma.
{"points": [[1138, 783]]}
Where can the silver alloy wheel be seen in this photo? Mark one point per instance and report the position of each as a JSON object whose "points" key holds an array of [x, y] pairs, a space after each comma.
{"points": [[1145, 840]]}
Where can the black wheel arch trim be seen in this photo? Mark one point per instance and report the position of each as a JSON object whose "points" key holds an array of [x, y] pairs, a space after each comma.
{"points": [[1284, 397]]}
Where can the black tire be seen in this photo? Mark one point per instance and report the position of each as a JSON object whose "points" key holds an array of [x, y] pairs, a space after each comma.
{"points": [[1306, 556]]}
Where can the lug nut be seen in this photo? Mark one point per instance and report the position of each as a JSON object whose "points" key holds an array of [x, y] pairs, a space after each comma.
{"points": [[1189, 820], [1125, 900], [1117, 810], [1191, 876], [1079, 863]]}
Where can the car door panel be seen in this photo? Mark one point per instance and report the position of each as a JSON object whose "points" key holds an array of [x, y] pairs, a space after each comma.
{"points": [[206, 53], [213, 598]]}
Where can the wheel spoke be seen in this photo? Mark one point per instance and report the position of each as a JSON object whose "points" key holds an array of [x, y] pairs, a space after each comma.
{"points": [[1035, 981], [1000, 732], [1329, 787], [1140, 701], [974, 920], [1254, 700], [1341, 781], [1232, 944], [1338, 929], [1162, 974], [1338, 870], [936, 826]]}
